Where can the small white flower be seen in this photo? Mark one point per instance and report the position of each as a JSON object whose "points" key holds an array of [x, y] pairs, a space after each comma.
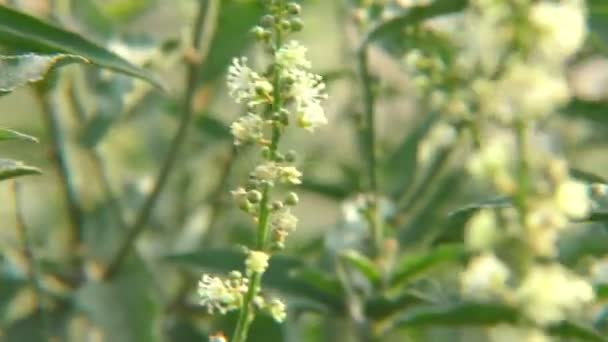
{"points": [[311, 117], [266, 172], [549, 292], [256, 262], [221, 295], [563, 27], [247, 129], [572, 198], [284, 220], [485, 276], [292, 56], [241, 80], [482, 230], [276, 308], [290, 174]]}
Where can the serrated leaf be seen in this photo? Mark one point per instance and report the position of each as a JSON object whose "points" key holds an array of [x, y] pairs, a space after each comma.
{"points": [[413, 265], [12, 169], [20, 70], [364, 265], [465, 313], [27, 33], [571, 330], [282, 273], [9, 134]]}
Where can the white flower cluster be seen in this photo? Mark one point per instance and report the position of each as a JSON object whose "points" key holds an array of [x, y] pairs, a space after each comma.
{"points": [[299, 86], [220, 294], [512, 66]]}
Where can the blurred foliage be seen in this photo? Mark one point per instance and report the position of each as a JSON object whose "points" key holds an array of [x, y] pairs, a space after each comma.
{"points": [[117, 113]]}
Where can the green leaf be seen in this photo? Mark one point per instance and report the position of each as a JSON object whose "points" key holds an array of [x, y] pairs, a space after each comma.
{"points": [[601, 291], [413, 265], [458, 218], [211, 128], [393, 28], [27, 33], [19, 70], [364, 265], [286, 274], [9, 134], [124, 308], [587, 176], [12, 168], [465, 313], [571, 330], [236, 18], [380, 307], [400, 167]]}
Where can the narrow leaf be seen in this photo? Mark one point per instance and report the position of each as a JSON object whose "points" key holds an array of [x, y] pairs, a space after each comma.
{"points": [[466, 313], [17, 71], [412, 265], [9, 134], [27, 33], [11, 169], [383, 306], [364, 265], [571, 330]]}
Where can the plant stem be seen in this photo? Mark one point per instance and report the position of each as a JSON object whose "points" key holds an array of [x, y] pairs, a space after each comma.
{"points": [[47, 96], [247, 313], [30, 262], [369, 142], [201, 38], [96, 156]]}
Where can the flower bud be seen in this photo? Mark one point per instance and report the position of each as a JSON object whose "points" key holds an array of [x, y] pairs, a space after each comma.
{"points": [[292, 199], [265, 152], [254, 196], [290, 157], [285, 25], [293, 8], [259, 33], [268, 20], [277, 205], [256, 262], [296, 25]]}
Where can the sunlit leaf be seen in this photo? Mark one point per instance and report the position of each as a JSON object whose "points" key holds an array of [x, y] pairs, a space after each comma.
{"points": [[12, 169], [363, 264], [466, 313], [17, 71], [9, 134], [27, 33], [571, 330], [413, 265]]}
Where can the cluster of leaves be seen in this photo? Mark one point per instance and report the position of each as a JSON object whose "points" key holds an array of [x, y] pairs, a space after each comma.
{"points": [[406, 298]]}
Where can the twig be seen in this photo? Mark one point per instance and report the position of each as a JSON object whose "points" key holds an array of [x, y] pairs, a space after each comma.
{"points": [[201, 38], [369, 142], [47, 97], [30, 263], [98, 160]]}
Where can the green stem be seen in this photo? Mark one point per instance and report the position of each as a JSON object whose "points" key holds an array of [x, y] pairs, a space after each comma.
{"points": [[369, 143], [47, 96], [247, 313], [207, 14]]}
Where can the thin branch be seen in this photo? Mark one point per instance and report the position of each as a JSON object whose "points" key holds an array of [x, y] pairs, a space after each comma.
{"points": [[47, 96], [207, 14], [30, 262], [99, 163]]}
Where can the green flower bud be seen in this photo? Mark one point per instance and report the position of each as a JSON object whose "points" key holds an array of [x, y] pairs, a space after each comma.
{"points": [[290, 157], [254, 196], [292, 199], [296, 24], [293, 8], [268, 20], [277, 205], [265, 152], [259, 33], [278, 157], [285, 25]]}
